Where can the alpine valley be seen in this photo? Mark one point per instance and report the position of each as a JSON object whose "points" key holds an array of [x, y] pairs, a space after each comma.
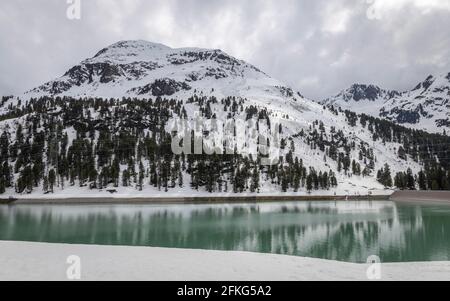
{"points": [[103, 129]]}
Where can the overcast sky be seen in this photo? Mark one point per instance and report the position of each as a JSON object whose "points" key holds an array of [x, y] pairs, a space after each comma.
{"points": [[316, 46]]}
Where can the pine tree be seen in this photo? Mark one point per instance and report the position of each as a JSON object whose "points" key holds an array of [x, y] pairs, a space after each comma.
{"points": [[51, 179], [387, 179], [410, 182], [422, 180], [2, 185], [45, 184], [141, 176], [255, 180], [400, 181], [401, 153], [180, 179], [309, 183], [384, 176], [125, 178]]}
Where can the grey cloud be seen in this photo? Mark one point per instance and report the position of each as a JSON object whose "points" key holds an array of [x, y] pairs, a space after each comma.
{"points": [[319, 47]]}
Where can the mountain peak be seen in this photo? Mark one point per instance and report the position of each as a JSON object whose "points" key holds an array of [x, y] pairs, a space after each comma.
{"points": [[362, 91], [426, 83], [358, 93], [139, 68], [134, 49], [133, 44]]}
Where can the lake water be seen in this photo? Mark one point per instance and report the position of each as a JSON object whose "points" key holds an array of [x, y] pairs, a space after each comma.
{"points": [[345, 231]]}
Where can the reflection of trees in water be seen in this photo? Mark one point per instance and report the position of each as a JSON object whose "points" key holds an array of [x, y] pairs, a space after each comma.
{"points": [[409, 234], [425, 232], [309, 209], [349, 241], [214, 228]]}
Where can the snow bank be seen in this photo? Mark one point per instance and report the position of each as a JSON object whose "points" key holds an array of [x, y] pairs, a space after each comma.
{"points": [[352, 188], [38, 261]]}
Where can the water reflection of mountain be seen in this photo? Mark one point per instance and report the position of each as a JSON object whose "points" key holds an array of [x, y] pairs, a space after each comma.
{"points": [[348, 231]]}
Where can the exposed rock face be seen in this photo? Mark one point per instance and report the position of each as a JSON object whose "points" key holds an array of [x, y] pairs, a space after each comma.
{"points": [[361, 93], [106, 73], [401, 116], [365, 92], [161, 87]]}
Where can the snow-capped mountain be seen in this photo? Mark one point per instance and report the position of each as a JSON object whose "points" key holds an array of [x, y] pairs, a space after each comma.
{"points": [[426, 107], [361, 98], [144, 69], [97, 128]]}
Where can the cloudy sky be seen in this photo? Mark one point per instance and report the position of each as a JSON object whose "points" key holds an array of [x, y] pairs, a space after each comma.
{"points": [[316, 46]]}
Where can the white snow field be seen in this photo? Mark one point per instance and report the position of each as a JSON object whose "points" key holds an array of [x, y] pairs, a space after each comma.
{"points": [[151, 193], [41, 261]]}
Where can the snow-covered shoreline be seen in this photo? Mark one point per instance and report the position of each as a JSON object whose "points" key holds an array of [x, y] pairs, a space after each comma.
{"points": [[182, 195], [179, 199], [42, 261], [71, 192], [188, 200]]}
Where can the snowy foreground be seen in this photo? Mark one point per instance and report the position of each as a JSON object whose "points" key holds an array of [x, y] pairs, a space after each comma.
{"points": [[38, 261]]}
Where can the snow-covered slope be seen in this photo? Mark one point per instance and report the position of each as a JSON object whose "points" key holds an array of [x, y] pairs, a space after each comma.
{"points": [[426, 107]]}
